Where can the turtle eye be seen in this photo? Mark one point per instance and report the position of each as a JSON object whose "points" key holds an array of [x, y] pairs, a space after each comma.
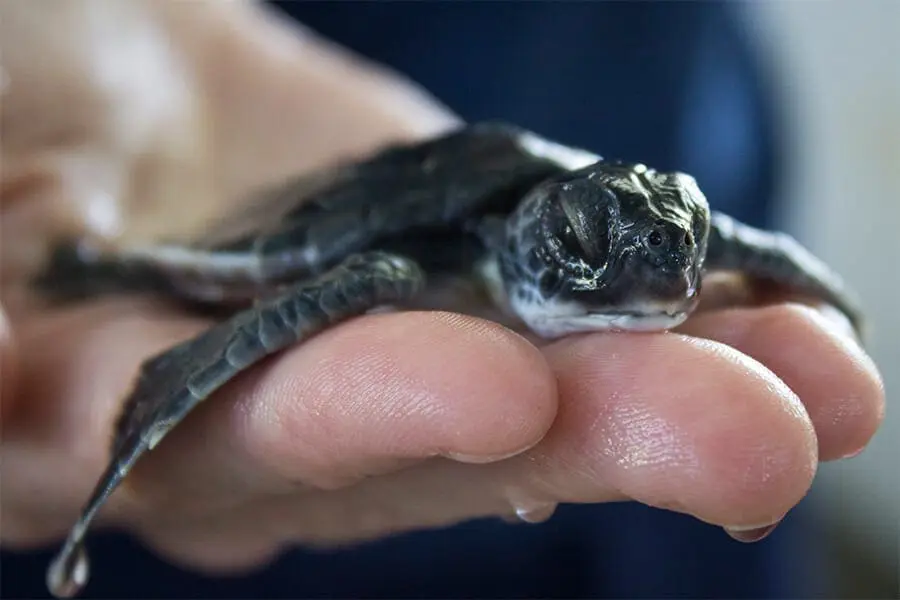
{"points": [[655, 238], [575, 248], [569, 241], [577, 228]]}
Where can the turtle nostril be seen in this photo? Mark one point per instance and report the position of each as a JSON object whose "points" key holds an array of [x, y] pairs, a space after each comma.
{"points": [[688, 239]]}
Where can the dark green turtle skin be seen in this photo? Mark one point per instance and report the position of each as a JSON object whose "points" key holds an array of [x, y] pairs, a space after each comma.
{"points": [[561, 241]]}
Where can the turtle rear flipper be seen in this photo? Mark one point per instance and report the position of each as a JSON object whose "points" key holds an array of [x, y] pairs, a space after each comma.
{"points": [[75, 271], [174, 382], [770, 259]]}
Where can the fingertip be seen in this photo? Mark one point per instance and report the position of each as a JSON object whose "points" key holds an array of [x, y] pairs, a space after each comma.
{"points": [[860, 408], [816, 355], [681, 423], [763, 452], [503, 391]]}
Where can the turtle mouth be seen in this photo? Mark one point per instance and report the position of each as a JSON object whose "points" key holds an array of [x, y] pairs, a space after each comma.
{"points": [[643, 319], [672, 310], [553, 317], [602, 320], [653, 316], [637, 314]]}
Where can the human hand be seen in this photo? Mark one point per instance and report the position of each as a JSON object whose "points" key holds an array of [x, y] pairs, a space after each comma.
{"points": [[387, 423]]}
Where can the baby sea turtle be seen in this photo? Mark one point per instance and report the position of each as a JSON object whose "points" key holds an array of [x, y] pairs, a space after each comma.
{"points": [[559, 238]]}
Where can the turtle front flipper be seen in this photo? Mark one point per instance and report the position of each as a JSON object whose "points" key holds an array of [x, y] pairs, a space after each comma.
{"points": [[174, 382], [777, 258]]}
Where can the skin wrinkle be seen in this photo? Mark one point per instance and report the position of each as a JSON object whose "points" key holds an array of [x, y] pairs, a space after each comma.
{"points": [[314, 405], [635, 438], [655, 442], [502, 343], [645, 441], [638, 439]]}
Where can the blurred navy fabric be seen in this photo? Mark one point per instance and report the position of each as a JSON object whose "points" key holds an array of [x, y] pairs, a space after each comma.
{"points": [[676, 85]]}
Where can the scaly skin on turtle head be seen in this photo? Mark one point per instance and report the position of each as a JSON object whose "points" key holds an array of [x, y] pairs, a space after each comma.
{"points": [[610, 246]]}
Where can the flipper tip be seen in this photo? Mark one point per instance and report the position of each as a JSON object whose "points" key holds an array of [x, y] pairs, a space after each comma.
{"points": [[68, 573]]}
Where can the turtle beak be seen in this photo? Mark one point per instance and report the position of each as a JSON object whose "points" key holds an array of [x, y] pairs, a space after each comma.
{"points": [[692, 283]]}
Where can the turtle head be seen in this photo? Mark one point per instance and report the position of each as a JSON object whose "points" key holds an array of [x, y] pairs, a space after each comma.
{"points": [[610, 246]]}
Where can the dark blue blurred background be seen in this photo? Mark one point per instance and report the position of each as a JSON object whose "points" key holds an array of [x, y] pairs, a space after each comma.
{"points": [[676, 85]]}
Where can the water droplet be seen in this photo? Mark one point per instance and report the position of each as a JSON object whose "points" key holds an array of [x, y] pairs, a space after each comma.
{"points": [[68, 573], [535, 512]]}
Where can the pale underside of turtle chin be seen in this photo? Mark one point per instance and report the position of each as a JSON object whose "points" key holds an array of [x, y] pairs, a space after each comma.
{"points": [[552, 319]]}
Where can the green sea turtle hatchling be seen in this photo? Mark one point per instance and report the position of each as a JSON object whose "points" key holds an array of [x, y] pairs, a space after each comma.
{"points": [[559, 239]]}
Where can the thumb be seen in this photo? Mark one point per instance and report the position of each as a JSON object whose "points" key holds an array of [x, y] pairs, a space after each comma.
{"points": [[282, 100]]}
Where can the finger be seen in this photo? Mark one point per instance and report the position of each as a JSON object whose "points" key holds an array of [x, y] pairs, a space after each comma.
{"points": [[837, 382], [355, 401], [360, 400], [671, 421], [686, 424]]}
